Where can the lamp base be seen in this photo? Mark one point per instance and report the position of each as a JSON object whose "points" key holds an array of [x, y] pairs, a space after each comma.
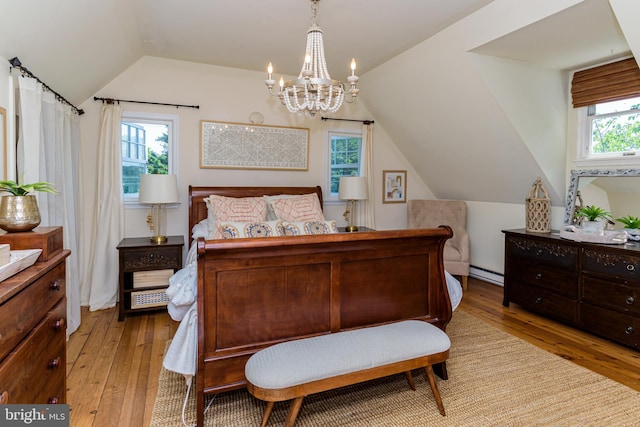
{"points": [[351, 228], [158, 240]]}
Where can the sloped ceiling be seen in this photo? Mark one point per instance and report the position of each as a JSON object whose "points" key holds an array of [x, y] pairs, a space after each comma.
{"points": [[77, 46], [481, 123], [464, 133]]}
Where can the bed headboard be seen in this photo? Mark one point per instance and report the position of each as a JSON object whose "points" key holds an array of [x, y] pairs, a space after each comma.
{"points": [[198, 208]]}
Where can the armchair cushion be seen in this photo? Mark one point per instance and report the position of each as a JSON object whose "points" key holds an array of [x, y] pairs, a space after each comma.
{"points": [[434, 213]]}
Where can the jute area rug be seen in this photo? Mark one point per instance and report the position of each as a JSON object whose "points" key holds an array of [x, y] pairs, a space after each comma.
{"points": [[495, 379]]}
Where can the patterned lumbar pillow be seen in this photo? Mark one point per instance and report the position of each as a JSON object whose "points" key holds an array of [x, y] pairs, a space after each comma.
{"points": [[236, 229], [299, 228]]}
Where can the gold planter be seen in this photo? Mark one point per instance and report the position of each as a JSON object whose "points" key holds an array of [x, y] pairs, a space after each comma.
{"points": [[19, 213]]}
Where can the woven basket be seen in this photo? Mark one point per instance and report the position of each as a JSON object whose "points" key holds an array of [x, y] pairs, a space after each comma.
{"points": [[538, 209]]}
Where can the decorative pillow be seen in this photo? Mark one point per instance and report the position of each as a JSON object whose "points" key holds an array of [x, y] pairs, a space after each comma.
{"points": [[309, 227], [300, 208], [211, 216], [242, 209], [271, 215], [235, 230]]}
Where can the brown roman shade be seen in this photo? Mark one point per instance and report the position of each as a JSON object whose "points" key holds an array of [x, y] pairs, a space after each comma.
{"points": [[609, 82]]}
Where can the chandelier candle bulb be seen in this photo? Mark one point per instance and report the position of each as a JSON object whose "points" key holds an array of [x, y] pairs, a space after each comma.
{"points": [[270, 71], [353, 66]]}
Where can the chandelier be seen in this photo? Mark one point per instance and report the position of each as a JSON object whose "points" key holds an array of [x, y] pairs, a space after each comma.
{"points": [[314, 90]]}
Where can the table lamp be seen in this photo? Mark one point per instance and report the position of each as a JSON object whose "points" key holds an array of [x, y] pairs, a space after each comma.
{"points": [[157, 190], [352, 188]]}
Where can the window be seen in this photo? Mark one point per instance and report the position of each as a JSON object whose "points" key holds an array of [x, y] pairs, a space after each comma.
{"points": [[609, 98], [345, 149], [614, 128], [148, 146]]}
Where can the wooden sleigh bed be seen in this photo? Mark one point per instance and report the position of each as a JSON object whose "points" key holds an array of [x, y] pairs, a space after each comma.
{"points": [[253, 293]]}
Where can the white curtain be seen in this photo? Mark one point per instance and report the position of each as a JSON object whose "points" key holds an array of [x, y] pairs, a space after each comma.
{"points": [[366, 211], [48, 151], [100, 281]]}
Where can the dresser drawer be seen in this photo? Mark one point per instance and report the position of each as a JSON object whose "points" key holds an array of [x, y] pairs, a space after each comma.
{"points": [[612, 264], [619, 327], [22, 313], [544, 302], [612, 295], [550, 253], [35, 371], [152, 259], [555, 280]]}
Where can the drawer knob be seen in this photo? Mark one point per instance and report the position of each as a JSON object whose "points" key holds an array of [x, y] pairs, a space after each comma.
{"points": [[58, 324], [538, 276], [55, 363], [539, 252], [630, 300], [631, 267], [53, 401], [539, 300], [4, 398], [628, 330], [55, 285]]}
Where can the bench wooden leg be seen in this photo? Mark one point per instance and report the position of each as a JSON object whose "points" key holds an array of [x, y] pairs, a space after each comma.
{"points": [[293, 412], [434, 389], [267, 413], [410, 381]]}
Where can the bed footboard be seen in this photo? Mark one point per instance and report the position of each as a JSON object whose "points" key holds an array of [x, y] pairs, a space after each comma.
{"points": [[253, 293]]}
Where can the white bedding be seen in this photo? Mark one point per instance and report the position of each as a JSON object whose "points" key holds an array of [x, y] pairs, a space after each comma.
{"points": [[182, 352]]}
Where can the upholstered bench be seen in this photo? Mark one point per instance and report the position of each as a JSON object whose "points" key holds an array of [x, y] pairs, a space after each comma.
{"points": [[294, 369]]}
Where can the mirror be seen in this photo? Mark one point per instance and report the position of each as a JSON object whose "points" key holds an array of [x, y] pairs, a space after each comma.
{"points": [[615, 190]]}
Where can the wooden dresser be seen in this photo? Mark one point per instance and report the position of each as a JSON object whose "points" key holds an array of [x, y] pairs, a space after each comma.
{"points": [[594, 287], [33, 314]]}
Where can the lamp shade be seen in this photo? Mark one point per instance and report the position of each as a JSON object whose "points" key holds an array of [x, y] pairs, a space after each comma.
{"points": [[353, 188], [158, 188]]}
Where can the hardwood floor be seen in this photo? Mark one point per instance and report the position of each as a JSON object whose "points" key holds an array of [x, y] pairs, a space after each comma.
{"points": [[113, 367]]}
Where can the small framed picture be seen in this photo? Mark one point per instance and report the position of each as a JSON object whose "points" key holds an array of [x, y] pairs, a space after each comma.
{"points": [[394, 186]]}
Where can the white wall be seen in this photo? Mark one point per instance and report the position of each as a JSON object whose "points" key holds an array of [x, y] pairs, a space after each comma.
{"points": [[228, 95]]}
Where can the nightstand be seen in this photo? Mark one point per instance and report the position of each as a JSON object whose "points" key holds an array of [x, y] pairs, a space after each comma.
{"points": [[145, 268]]}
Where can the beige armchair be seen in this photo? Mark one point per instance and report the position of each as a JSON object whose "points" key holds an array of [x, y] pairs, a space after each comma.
{"points": [[433, 213]]}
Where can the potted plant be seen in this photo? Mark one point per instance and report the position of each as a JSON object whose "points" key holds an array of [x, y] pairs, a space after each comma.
{"points": [[589, 216], [631, 222], [631, 225], [19, 210]]}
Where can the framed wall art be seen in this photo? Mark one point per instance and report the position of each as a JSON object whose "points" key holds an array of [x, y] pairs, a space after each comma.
{"points": [[394, 186], [252, 146]]}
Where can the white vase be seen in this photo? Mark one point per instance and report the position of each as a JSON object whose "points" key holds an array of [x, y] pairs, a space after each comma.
{"points": [[593, 227]]}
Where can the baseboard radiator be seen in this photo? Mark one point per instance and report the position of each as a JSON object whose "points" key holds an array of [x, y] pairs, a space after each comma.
{"points": [[486, 275]]}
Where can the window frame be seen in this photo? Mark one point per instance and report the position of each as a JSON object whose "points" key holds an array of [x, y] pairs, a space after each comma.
{"points": [[584, 156], [171, 120], [327, 195]]}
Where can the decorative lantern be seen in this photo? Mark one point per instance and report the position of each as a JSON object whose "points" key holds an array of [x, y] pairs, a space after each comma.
{"points": [[538, 209]]}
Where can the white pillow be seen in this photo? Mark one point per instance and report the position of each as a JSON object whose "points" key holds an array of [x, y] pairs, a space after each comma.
{"points": [[241, 229], [300, 228], [201, 229]]}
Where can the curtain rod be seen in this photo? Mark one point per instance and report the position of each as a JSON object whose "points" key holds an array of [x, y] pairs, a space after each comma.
{"points": [[15, 63], [364, 122], [112, 100]]}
